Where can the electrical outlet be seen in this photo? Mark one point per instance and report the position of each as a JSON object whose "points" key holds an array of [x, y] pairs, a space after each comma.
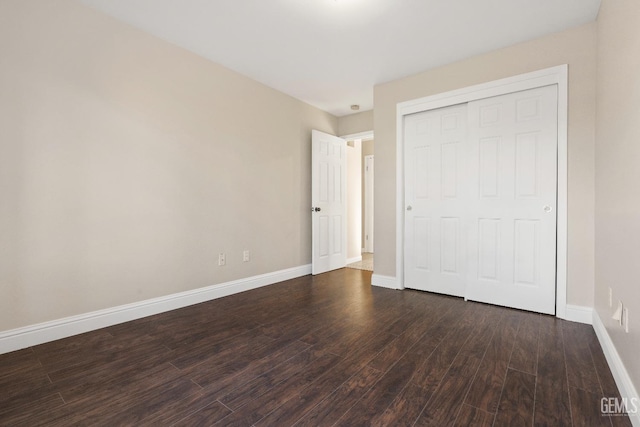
{"points": [[617, 316], [222, 259], [610, 297], [625, 319], [620, 310], [246, 256]]}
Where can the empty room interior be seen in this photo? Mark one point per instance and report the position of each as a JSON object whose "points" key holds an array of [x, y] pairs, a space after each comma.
{"points": [[188, 205]]}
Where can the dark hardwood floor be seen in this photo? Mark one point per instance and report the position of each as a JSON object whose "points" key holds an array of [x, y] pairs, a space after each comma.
{"points": [[316, 351]]}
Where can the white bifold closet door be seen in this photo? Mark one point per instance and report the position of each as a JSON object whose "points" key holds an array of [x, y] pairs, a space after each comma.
{"points": [[480, 194]]}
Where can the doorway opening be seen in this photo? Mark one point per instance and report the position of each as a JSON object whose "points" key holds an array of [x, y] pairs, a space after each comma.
{"points": [[360, 190]]}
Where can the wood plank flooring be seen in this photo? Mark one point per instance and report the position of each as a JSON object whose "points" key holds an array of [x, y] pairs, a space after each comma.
{"points": [[316, 351]]}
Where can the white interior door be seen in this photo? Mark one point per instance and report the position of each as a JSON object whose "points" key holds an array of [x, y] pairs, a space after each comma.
{"points": [[436, 200], [512, 235], [328, 200], [368, 204]]}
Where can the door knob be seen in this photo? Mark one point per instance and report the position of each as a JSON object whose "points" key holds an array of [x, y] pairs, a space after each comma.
{"points": [[315, 209], [548, 209], [409, 208]]}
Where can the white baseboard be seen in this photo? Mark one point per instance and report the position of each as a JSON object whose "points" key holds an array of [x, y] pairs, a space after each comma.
{"points": [[620, 374], [576, 313], [384, 281], [354, 259], [28, 336]]}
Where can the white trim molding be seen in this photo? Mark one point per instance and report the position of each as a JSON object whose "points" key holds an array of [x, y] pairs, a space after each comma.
{"points": [[550, 76], [620, 374], [362, 136], [28, 336], [381, 281], [354, 259], [576, 313]]}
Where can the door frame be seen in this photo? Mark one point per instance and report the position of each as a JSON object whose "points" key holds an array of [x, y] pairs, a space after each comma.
{"points": [[360, 136], [550, 76]]}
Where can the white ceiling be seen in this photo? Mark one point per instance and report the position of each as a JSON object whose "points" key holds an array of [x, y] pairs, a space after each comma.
{"points": [[330, 53]]}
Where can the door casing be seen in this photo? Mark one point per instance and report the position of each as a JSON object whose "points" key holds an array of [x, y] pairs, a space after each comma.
{"points": [[555, 75]]}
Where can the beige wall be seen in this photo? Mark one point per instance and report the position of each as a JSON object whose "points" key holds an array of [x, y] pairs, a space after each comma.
{"points": [[128, 164], [575, 47], [618, 174], [354, 199], [355, 123]]}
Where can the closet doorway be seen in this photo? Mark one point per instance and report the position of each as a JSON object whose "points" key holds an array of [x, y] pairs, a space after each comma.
{"points": [[483, 206]]}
